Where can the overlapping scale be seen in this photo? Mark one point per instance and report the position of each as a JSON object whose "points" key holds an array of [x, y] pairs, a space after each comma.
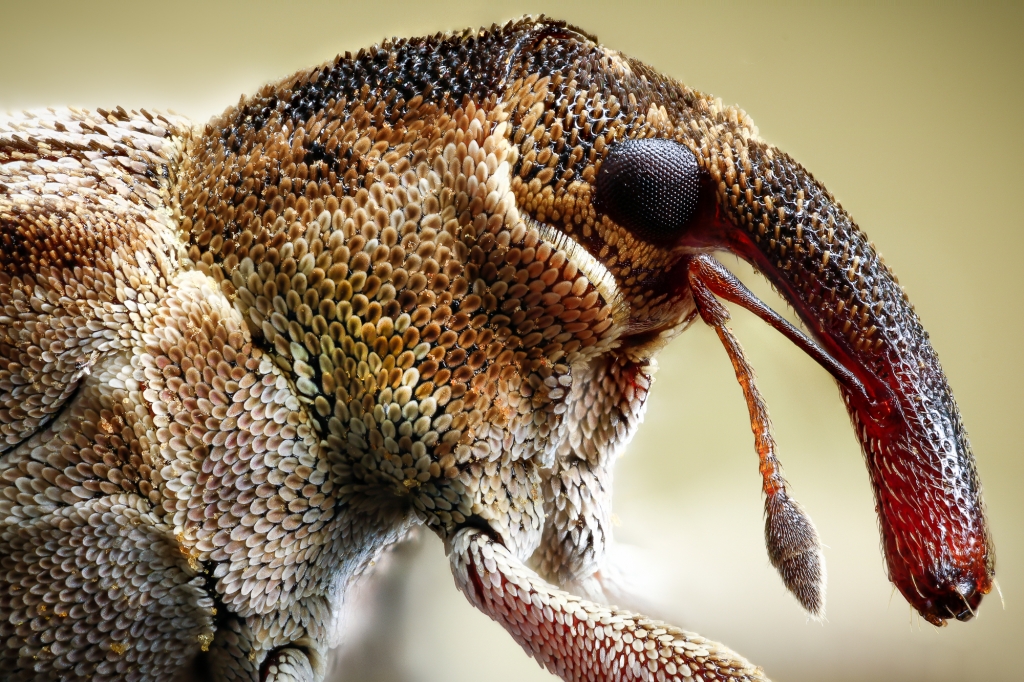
{"points": [[238, 361], [98, 590]]}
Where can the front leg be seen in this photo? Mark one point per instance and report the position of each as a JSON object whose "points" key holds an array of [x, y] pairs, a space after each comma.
{"points": [[577, 639]]}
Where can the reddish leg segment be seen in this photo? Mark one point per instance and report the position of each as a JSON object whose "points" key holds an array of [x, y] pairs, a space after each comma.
{"points": [[578, 639]]}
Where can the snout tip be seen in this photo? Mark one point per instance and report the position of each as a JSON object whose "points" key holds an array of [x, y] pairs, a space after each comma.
{"points": [[960, 601]]}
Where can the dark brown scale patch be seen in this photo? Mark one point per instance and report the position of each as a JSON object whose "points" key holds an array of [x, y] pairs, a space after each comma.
{"points": [[441, 69], [30, 242]]}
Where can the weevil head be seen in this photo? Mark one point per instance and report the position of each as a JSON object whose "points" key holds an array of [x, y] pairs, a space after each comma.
{"points": [[435, 238], [642, 171]]}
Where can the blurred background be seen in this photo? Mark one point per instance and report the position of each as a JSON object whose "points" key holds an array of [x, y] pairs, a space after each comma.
{"points": [[910, 115]]}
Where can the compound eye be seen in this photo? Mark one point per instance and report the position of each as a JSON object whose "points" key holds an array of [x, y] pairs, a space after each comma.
{"points": [[650, 187]]}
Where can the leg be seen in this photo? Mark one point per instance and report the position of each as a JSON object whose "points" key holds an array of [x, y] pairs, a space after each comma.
{"points": [[605, 407], [287, 665], [577, 639], [281, 647]]}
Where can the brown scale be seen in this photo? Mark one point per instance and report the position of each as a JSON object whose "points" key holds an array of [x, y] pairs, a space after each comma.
{"points": [[349, 336], [379, 293]]}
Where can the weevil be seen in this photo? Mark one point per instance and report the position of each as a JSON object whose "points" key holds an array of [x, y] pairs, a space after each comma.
{"points": [[422, 285]]}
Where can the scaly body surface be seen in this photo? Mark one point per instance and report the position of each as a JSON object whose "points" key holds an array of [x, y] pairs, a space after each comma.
{"points": [[422, 285]]}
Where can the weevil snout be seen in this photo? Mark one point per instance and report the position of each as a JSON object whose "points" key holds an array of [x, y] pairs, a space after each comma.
{"points": [[922, 469], [707, 182]]}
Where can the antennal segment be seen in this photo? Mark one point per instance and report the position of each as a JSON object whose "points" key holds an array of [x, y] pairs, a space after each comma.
{"points": [[794, 548]]}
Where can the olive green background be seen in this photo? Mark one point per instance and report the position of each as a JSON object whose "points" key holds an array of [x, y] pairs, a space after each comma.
{"points": [[911, 116]]}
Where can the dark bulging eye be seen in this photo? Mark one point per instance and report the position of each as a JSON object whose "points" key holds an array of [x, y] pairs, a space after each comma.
{"points": [[650, 187]]}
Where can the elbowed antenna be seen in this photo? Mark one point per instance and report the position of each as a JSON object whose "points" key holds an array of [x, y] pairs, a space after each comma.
{"points": [[794, 547]]}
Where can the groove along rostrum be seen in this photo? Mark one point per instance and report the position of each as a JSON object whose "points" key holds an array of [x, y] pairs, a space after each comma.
{"points": [[239, 361]]}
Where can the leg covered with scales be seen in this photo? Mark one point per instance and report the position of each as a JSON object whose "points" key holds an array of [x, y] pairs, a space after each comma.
{"points": [[578, 639]]}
